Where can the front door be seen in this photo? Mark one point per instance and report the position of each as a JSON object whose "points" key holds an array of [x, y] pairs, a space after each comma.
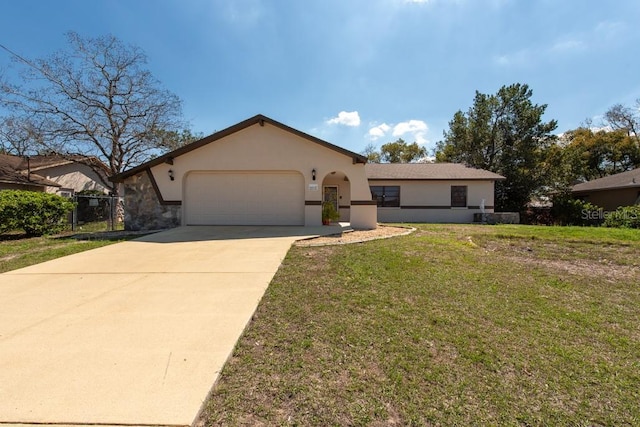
{"points": [[331, 196]]}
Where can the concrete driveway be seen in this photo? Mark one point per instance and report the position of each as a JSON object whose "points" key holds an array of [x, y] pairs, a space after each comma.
{"points": [[133, 333]]}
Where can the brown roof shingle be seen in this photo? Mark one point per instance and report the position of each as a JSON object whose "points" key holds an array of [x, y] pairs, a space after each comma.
{"points": [[427, 171], [11, 173], [628, 179]]}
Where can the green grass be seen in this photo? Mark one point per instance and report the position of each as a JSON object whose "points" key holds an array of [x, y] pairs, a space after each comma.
{"points": [[17, 251], [96, 226], [452, 325]]}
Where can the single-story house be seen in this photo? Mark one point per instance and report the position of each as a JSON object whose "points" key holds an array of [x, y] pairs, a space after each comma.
{"points": [[53, 174], [430, 192], [12, 177], [262, 172], [610, 192]]}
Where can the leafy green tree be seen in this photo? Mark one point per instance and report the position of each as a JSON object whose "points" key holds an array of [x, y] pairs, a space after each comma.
{"points": [[401, 152], [371, 153], [503, 133], [584, 154], [601, 153], [95, 99]]}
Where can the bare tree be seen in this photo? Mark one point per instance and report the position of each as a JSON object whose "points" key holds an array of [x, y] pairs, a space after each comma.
{"points": [[94, 99], [19, 137], [626, 118]]}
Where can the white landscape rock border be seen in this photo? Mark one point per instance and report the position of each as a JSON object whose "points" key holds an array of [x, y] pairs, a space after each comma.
{"points": [[348, 237]]}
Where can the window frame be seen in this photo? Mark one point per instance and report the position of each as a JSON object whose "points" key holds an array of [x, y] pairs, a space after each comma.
{"points": [[381, 198], [456, 196]]}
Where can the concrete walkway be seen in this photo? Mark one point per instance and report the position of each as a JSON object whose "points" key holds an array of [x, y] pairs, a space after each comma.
{"points": [[133, 333]]}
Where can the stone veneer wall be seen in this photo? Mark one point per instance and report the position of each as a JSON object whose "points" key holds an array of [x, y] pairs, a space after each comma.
{"points": [[143, 210]]}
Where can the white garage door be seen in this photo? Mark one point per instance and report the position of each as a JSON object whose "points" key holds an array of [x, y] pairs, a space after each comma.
{"points": [[237, 198]]}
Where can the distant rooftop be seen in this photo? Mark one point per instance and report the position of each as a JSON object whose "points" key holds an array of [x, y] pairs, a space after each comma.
{"points": [[11, 173], [628, 179]]}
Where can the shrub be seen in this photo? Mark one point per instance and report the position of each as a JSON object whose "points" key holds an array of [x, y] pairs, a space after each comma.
{"points": [[536, 216], [35, 213], [329, 212], [569, 211], [624, 217]]}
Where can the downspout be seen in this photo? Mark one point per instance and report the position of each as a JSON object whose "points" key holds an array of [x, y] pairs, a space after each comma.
{"points": [[28, 167]]}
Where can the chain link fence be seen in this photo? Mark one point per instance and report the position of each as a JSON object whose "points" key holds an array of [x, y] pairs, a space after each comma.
{"points": [[97, 212]]}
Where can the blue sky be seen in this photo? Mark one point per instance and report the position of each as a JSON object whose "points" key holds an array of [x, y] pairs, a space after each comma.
{"points": [[354, 72]]}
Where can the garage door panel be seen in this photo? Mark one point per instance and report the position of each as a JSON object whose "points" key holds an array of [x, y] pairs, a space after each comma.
{"points": [[222, 198]]}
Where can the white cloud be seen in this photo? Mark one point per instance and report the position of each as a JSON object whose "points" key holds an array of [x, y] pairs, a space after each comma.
{"points": [[410, 126], [346, 118], [568, 45], [610, 29], [410, 131], [416, 129], [379, 131], [599, 37]]}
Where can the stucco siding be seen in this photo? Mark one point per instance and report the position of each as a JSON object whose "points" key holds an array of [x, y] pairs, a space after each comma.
{"points": [[455, 215], [73, 176], [430, 201], [268, 148], [610, 200], [261, 148]]}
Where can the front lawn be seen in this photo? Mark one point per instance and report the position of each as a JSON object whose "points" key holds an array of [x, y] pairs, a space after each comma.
{"points": [[452, 325], [17, 251]]}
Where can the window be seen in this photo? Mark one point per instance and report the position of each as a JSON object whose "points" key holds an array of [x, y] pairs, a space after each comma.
{"points": [[458, 196], [387, 196]]}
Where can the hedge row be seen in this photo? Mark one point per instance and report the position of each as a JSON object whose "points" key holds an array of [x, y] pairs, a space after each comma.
{"points": [[35, 213], [626, 217]]}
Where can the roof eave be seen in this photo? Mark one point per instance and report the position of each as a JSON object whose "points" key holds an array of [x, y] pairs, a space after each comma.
{"points": [[616, 187]]}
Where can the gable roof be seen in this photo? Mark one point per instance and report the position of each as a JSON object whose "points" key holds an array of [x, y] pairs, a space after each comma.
{"points": [[45, 161], [11, 173], [427, 171], [257, 119], [628, 179]]}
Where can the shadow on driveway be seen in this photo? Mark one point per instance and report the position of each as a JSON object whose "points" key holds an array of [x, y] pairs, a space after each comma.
{"points": [[201, 233]]}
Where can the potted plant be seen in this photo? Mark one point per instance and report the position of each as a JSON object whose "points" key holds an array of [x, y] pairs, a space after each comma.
{"points": [[329, 213]]}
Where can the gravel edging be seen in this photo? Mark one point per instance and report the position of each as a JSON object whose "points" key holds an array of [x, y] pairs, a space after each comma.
{"points": [[357, 236]]}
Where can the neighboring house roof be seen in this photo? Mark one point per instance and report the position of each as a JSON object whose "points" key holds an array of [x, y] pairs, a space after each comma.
{"points": [[628, 179], [40, 162], [427, 171], [10, 173], [258, 119]]}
